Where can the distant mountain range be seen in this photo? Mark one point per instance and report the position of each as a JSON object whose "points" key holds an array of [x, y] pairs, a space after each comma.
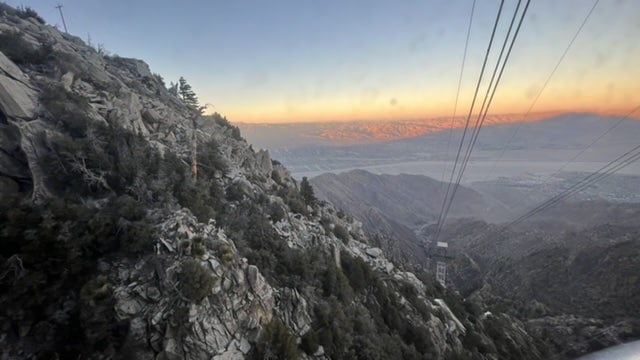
{"points": [[549, 142], [280, 136]]}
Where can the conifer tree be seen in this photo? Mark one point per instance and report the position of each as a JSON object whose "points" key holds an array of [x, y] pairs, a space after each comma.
{"points": [[189, 97], [187, 94], [306, 191]]}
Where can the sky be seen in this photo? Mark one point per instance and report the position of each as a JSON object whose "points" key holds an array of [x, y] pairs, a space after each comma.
{"points": [[338, 60]]}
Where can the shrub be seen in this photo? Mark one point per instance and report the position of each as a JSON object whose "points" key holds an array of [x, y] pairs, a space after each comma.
{"points": [[128, 208], [67, 109], [309, 342], [196, 282], [57, 245], [341, 233], [211, 160], [95, 290], [297, 206], [25, 12], [112, 230], [235, 133], [185, 245], [336, 283], [136, 237], [357, 271], [326, 225], [276, 212], [198, 250], [234, 192], [455, 303], [203, 198], [276, 342], [293, 200], [335, 331], [227, 255], [20, 51]]}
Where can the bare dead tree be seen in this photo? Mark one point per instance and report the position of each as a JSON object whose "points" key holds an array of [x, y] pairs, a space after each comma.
{"points": [[92, 177]]}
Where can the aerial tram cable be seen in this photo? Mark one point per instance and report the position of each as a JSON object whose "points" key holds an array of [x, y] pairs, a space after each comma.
{"points": [[455, 104], [486, 104], [629, 157], [619, 163], [484, 63], [544, 86], [622, 161], [483, 111], [555, 200]]}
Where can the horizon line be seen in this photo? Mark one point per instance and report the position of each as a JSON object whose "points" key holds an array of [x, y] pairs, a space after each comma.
{"points": [[532, 116]]}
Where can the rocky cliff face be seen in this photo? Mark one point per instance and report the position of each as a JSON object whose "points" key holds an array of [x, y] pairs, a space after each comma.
{"points": [[112, 248], [576, 288]]}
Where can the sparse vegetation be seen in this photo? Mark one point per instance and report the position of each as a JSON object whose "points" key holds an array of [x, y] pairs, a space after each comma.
{"points": [[309, 342], [197, 248], [20, 51], [26, 12], [195, 281], [226, 255], [54, 248], [341, 233], [276, 343], [276, 212], [23, 12], [95, 290]]}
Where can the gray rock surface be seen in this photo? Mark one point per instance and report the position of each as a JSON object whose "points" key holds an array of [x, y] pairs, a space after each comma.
{"points": [[17, 98]]}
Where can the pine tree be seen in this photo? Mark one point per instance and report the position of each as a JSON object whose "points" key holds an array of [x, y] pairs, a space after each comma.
{"points": [[189, 97], [187, 94], [306, 191]]}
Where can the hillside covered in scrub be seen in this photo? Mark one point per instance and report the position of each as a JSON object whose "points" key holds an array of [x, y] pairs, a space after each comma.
{"points": [[569, 273], [131, 226]]}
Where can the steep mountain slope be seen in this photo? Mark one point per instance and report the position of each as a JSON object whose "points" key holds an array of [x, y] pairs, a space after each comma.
{"points": [[395, 207], [411, 200], [131, 227], [570, 270], [578, 288]]}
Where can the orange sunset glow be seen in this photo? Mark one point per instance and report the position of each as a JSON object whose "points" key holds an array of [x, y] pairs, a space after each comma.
{"points": [[333, 61], [554, 68]]}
